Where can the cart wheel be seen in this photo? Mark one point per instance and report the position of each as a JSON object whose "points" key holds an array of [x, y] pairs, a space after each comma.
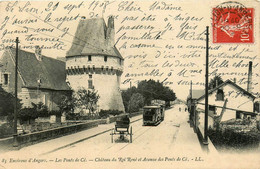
{"points": [[131, 135], [112, 133]]}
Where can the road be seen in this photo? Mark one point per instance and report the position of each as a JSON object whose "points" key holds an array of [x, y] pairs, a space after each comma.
{"points": [[172, 141], [150, 141], [146, 140]]}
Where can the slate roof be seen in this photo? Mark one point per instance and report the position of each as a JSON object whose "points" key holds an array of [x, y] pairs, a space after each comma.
{"points": [[233, 84], [197, 93], [51, 71], [91, 39]]}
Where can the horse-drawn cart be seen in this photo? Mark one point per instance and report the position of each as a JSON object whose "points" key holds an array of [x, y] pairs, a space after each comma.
{"points": [[122, 128]]}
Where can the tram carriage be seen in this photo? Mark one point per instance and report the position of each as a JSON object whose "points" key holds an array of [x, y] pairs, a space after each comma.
{"points": [[122, 128], [153, 115]]}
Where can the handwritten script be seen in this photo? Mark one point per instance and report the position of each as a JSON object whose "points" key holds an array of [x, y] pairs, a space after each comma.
{"points": [[159, 40]]}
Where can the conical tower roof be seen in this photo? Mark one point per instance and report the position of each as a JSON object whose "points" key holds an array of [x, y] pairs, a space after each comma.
{"points": [[91, 39]]}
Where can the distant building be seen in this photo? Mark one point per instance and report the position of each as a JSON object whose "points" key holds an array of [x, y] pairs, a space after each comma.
{"points": [[40, 78], [93, 62]]}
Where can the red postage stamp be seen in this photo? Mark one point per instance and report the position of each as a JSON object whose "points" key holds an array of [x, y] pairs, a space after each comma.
{"points": [[233, 23]]}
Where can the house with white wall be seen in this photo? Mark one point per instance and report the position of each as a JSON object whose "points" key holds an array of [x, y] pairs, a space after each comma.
{"points": [[239, 102]]}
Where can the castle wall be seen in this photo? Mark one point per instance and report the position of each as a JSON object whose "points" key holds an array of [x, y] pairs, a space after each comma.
{"points": [[96, 60], [105, 78]]}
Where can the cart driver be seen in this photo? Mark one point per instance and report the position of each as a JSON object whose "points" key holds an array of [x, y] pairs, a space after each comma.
{"points": [[126, 119]]}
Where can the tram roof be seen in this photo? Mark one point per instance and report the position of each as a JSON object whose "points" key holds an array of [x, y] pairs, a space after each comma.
{"points": [[152, 107]]}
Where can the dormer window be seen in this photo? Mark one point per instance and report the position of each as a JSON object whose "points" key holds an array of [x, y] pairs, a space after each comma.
{"points": [[220, 95], [105, 58], [89, 58]]}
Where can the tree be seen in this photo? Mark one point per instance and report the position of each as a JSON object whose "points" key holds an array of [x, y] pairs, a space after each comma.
{"points": [[217, 80], [149, 90], [155, 90], [66, 104], [27, 114], [30, 114], [7, 101], [86, 99], [136, 102], [126, 95]]}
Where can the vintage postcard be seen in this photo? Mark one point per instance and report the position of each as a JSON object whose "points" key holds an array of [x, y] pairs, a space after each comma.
{"points": [[130, 84]]}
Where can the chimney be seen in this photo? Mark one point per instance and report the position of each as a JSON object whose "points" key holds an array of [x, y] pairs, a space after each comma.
{"points": [[216, 82], [249, 81], [235, 80], [38, 53], [110, 32]]}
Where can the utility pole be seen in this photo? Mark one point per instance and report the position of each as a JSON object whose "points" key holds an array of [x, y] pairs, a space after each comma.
{"points": [[206, 88], [15, 143]]}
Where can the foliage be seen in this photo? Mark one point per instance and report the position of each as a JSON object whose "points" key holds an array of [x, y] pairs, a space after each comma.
{"points": [[27, 114], [155, 90], [41, 109], [6, 130], [136, 102], [37, 110], [230, 139], [106, 113], [126, 95], [213, 82], [86, 99], [66, 104], [150, 90], [7, 101], [73, 116], [57, 113]]}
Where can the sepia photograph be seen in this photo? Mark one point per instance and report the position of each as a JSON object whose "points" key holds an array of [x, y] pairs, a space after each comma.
{"points": [[145, 84]]}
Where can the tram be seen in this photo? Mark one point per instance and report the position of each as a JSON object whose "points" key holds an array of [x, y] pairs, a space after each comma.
{"points": [[152, 115]]}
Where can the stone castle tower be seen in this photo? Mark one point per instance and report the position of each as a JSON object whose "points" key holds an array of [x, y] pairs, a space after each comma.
{"points": [[93, 62]]}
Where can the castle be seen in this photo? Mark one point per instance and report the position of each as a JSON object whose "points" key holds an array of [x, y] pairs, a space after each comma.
{"points": [[93, 62]]}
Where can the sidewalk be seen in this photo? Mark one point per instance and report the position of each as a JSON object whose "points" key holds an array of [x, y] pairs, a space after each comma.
{"points": [[186, 140], [53, 145]]}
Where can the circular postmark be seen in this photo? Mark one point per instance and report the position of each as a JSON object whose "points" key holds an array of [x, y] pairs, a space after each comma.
{"points": [[232, 23]]}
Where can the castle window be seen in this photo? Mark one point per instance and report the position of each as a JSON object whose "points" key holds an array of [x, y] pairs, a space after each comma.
{"points": [[89, 58], [6, 79], [90, 82], [105, 58], [220, 95]]}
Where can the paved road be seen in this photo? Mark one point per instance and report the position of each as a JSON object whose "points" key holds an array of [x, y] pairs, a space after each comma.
{"points": [[173, 141], [146, 140]]}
